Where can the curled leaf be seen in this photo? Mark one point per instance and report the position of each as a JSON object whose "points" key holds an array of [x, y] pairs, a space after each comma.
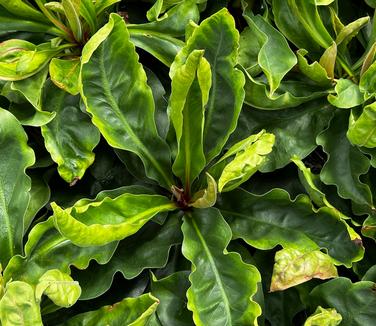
{"points": [[207, 197], [294, 266], [324, 317], [59, 287], [250, 154]]}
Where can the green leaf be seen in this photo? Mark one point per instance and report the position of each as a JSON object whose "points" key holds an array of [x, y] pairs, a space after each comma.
{"points": [[324, 317], [171, 292], [306, 30], [31, 88], [190, 88], [154, 12], [14, 184], [23, 9], [2, 283], [367, 82], [275, 56], [362, 130], [72, 13], [70, 137], [353, 301], [102, 222], [351, 30], [11, 22], [148, 248], [130, 312], [230, 282], [109, 71], [294, 266], [219, 38], [161, 37], [27, 115], [39, 197], [265, 221], [87, 11], [249, 48], [290, 94], [60, 288], [206, 197], [20, 59], [348, 95], [344, 173], [18, 306], [250, 154], [65, 74], [295, 130], [313, 71], [328, 60], [46, 249], [101, 5]]}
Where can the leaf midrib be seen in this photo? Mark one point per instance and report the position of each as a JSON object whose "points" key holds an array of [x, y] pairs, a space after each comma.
{"points": [[117, 111], [214, 269]]}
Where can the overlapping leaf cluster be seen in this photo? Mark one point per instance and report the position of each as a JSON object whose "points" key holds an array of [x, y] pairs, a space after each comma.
{"points": [[187, 162]]}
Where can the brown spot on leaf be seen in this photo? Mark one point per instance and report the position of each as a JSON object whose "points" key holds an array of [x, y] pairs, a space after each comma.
{"points": [[74, 181]]}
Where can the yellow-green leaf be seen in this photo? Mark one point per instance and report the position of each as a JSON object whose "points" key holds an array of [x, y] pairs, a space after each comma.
{"points": [[324, 317], [294, 266]]}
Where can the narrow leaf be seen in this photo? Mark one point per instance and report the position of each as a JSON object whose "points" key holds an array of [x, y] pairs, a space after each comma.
{"points": [[219, 38], [190, 91]]}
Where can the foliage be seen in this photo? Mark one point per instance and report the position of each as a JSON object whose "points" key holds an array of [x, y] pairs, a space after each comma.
{"points": [[187, 162]]}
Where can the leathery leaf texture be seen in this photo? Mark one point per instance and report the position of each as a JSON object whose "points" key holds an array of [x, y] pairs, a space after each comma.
{"points": [[187, 162]]}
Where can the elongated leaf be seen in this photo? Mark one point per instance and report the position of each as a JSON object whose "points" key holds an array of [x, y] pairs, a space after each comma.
{"points": [[11, 23], [87, 11], [230, 282], [275, 57], [70, 137], [265, 221], [219, 38], [294, 266], [46, 249], [114, 89], [351, 30], [148, 248], [130, 312], [328, 60], [72, 13], [324, 317], [19, 307], [353, 301], [190, 91], [23, 9], [348, 95], [362, 130], [102, 222], [14, 184], [101, 5], [344, 173], [60, 288], [171, 292], [65, 73]]}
